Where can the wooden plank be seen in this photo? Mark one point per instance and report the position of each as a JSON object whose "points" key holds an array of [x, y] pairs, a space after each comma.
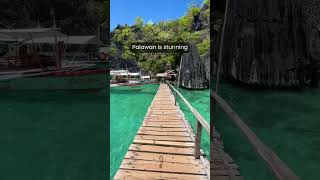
{"points": [[163, 129], [163, 119], [164, 138], [164, 143], [147, 175], [164, 122], [155, 166], [164, 157], [165, 116], [170, 113], [157, 133], [163, 125], [161, 149]]}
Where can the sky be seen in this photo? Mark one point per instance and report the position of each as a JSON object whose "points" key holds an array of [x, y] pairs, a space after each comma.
{"points": [[126, 11]]}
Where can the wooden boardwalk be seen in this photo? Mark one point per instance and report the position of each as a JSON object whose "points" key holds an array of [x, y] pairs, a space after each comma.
{"points": [[222, 166], [164, 145]]}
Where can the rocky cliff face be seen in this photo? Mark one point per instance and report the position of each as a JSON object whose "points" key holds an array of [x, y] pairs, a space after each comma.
{"points": [[206, 61], [195, 70], [270, 43], [192, 73]]}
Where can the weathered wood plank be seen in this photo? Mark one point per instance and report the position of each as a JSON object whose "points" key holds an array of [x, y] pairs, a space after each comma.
{"points": [[157, 133], [164, 143], [160, 149], [147, 175], [163, 129], [162, 122], [164, 138], [161, 157], [163, 125], [163, 166]]}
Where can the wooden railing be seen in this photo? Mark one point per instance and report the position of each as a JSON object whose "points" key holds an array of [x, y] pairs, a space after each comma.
{"points": [[275, 164], [201, 122]]}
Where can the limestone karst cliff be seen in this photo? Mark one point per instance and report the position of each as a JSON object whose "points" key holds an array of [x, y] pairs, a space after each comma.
{"points": [[269, 43], [192, 73]]}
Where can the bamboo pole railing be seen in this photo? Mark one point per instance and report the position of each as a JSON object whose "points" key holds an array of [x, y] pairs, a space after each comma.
{"points": [[275, 164]]}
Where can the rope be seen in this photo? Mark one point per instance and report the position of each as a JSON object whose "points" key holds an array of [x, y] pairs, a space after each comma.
{"points": [[221, 46], [231, 175]]}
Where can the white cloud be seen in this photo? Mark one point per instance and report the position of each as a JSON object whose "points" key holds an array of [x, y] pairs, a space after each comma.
{"points": [[150, 22]]}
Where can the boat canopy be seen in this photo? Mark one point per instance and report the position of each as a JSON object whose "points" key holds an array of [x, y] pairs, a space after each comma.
{"points": [[124, 73], [76, 40], [134, 74], [22, 35], [145, 77], [118, 72], [6, 38], [161, 75]]}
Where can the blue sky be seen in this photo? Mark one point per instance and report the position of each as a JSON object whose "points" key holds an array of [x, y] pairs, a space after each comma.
{"points": [[126, 11]]}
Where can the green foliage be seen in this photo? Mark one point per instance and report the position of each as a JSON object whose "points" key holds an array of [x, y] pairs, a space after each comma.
{"points": [[166, 31], [206, 2], [139, 22], [204, 46], [113, 51], [193, 11]]}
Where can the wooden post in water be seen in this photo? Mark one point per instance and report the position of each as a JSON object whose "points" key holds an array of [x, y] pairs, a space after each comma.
{"points": [[197, 142]]}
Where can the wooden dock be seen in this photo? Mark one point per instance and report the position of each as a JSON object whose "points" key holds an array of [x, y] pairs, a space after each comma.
{"points": [[222, 166], [164, 147]]}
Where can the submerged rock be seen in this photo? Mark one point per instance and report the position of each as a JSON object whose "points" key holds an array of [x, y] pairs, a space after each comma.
{"points": [[192, 73], [271, 43]]}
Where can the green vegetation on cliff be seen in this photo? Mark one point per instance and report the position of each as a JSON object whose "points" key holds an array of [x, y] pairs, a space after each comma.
{"points": [[193, 27]]}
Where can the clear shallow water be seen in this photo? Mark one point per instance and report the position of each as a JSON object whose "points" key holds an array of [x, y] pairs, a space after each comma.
{"points": [[48, 135], [286, 121], [128, 107], [200, 100]]}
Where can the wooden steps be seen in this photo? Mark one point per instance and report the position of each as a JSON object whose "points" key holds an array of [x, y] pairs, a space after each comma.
{"points": [[163, 147]]}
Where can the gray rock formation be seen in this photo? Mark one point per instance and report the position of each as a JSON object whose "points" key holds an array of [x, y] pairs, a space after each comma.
{"points": [[206, 60], [271, 43], [192, 73], [201, 20]]}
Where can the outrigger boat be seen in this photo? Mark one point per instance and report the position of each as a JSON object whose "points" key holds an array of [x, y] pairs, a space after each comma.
{"points": [[124, 78], [27, 62]]}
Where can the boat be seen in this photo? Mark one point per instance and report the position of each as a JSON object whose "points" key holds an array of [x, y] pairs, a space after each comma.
{"points": [[56, 80], [113, 85], [40, 59], [125, 78]]}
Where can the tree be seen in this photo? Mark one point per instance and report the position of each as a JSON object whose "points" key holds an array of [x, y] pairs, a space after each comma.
{"points": [[139, 22]]}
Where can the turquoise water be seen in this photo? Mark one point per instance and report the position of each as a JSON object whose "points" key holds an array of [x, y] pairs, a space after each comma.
{"points": [[286, 121], [200, 100], [48, 135], [128, 107]]}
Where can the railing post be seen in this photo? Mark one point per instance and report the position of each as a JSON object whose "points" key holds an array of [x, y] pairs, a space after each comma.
{"points": [[197, 142], [175, 99]]}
